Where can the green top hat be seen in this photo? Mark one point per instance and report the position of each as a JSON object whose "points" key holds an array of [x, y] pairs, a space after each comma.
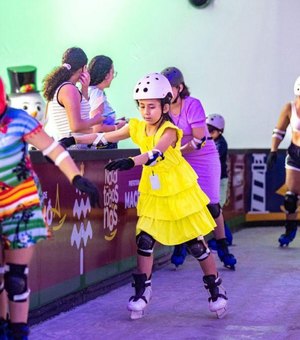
{"points": [[22, 79]]}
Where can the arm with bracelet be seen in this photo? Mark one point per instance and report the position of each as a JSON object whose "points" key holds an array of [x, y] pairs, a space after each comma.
{"points": [[63, 160], [97, 139]]}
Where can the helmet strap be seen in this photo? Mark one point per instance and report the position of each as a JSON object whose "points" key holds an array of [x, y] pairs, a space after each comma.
{"points": [[159, 120]]}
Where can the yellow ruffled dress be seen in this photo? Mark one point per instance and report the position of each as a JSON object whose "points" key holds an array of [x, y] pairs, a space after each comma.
{"points": [[177, 211]]}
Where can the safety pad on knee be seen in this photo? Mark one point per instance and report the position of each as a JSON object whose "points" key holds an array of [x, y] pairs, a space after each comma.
{"points": [[198, 249], [15, 282], [290, 202], [145, 244], [214, 209]]}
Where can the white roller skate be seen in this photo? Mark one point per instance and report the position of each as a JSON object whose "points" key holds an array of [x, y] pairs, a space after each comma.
{"points": [[140, 300], [218, 299]]}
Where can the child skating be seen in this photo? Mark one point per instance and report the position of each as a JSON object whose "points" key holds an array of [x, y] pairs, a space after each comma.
{"points": [[172, 209]]}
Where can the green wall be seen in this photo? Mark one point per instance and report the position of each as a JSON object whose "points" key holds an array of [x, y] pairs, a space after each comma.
{"points": [[238, 56], [132, 32]]}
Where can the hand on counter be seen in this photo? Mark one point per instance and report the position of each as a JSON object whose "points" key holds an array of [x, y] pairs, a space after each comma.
{"points": [[83, 184]]}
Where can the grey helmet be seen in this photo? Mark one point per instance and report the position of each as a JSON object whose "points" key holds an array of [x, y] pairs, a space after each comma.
{"points": [[216, 120], [174, 76]]}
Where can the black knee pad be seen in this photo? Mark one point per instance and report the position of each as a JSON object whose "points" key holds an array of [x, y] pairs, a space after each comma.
{"points": [[145, 244], [214, 209], [290, 202], [198, 249], [15, 282]]}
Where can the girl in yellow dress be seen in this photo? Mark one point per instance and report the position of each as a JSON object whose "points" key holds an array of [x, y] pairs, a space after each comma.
{"points": [[172, 208]]}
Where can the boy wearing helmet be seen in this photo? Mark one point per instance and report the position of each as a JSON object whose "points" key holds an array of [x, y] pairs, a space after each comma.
{"points": [[21, 219], [200, 152], [216, 124], [168, 192], [289, 116]]}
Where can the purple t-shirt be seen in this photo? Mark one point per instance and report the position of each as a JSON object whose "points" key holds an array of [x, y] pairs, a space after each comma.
{"points": [[205, 161]]}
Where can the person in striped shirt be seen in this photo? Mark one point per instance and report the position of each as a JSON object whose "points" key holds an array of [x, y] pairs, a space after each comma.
{"points": [[21, 218]]}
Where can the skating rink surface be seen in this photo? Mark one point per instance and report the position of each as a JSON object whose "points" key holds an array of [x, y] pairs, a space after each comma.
{"points": [[263, 292]]}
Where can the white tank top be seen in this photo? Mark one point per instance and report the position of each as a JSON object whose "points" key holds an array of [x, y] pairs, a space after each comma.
{"points": [[295, 120], [57, 124]]}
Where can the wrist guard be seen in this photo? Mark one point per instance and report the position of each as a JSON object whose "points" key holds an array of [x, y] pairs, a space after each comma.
{"points": [[67, 142], [197, 144], [279, 134], [100, 141], [271, 159], [154, 157]]}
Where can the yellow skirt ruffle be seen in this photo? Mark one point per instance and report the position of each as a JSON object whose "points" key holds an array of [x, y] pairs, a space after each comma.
{"points": [[174, 207], [175, 219], [176, 232]]}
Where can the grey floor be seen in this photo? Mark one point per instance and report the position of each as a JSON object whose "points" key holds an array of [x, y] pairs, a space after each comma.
{"points": [[264, 301]]}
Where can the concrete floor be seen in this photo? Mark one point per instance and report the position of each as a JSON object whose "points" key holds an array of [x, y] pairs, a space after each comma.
{"points": [[263, 293]]}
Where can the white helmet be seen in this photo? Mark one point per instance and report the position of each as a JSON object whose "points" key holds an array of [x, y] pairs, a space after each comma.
{"points": [[152, 86], [297, 87], [216, 121]]}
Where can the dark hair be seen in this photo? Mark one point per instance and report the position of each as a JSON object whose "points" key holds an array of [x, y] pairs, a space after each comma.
{"points": [[185, 92], [98, 68], [164, 101], [73, 57]]}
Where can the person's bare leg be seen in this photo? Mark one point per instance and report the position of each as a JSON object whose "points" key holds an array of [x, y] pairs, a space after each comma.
{"points": [[219, 231], [208, 266], [145, 264], [291, 201]]}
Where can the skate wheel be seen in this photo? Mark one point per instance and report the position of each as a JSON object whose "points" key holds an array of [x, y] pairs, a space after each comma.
{"points": [[232, 267], [134, 315], [221, 313], [284, 244]]}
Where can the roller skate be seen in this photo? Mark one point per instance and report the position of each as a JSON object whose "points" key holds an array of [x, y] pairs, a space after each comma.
{"points": [[228, 234], [3, 329], [289, 235], [228, 259], [17, 331], [179, 254], [212, 243], [218, 299], [140, 300]]}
